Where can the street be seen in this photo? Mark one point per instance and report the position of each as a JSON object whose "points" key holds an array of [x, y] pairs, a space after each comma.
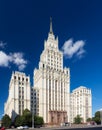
{"points": [[65, 128], [88, 128]]}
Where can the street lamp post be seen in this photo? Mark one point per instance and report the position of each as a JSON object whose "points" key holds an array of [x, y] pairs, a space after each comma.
{"points": [[33, 112]]}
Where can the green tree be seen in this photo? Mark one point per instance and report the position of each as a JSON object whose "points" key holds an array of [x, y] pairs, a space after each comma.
{"points": [[77, 119], [6, 121], [38, 120], [97, 120], [27, 118], [97, 114], [97, 117], [26, 111], [89, 119], [18, 120]]}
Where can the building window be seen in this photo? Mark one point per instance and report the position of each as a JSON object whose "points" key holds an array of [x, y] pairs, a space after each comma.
{"points": [[14, 77], [26, 79], [43, 66]]}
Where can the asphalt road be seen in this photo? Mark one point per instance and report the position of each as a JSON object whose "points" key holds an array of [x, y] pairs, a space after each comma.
{"points": [[65, 128], [90, 128]]}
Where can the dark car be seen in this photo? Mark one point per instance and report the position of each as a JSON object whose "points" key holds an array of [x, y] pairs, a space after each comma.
{"points": [[67, 124], [38, 126]]}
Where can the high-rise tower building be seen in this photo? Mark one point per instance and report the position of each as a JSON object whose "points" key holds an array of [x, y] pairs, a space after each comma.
{"points": [[50, 97], [81, 103], [52, 83], [19, 95]]}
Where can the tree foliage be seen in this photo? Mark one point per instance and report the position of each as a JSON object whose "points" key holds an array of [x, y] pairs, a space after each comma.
{"points": [[27, 118], [24, 119], [6, 121], [97, 114], [26, 111], [38, 120], [96, 118], [18, 120], [77, 119], [89, 119]]}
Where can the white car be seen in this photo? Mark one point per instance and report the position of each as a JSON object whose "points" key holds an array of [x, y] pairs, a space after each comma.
{"points": [[25, 127], [20, 127]]}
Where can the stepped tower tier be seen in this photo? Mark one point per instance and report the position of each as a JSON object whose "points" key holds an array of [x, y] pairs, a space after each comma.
{"points": [[52, 82], [51, 56]]}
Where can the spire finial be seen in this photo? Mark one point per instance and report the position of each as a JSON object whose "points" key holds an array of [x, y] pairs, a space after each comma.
{"points": [[51, 31]]}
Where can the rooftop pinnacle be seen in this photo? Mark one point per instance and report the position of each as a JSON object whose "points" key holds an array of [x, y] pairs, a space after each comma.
{"points": [[51, 30]]}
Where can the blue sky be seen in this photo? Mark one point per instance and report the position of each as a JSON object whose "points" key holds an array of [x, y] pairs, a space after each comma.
{"points": [[24, 25]]}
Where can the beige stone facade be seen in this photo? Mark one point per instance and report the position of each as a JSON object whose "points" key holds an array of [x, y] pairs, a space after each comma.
{"points": [[53, 83], [81, 103], [19, 95]]}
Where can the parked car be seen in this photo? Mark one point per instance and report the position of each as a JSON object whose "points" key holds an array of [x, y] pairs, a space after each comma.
{"points": [[38, 126], [25, 127], [20, 127], [2, 128], [62, 124], [65, 124]]}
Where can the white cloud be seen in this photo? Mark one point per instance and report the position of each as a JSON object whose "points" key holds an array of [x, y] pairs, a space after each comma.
{"points": [[71, 48], [15, 58], [4, 59], [21, 67], [2, 44]]}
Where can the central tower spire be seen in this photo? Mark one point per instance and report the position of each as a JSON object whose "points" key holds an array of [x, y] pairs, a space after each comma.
{"points": [[51, 30]]}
